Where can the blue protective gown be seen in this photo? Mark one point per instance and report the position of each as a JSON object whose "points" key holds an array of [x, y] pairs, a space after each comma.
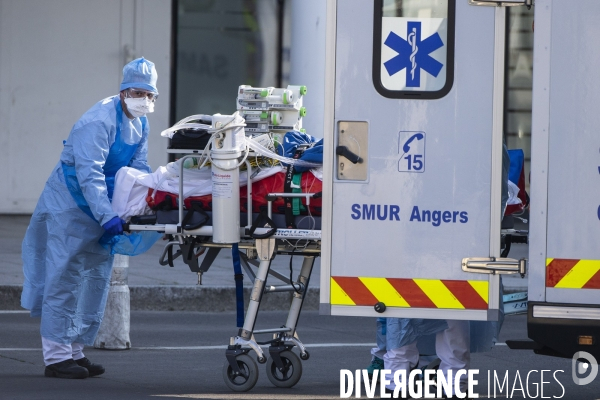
{"points": [[66, 270], [393, 333]]}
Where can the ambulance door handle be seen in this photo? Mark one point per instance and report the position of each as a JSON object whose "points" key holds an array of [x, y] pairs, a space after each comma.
{"points": [[352, 151], [493, 265], [344, 151], [502, 3]]}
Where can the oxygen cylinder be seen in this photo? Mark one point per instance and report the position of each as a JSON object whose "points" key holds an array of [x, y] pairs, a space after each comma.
{"points": [[226, 149]]}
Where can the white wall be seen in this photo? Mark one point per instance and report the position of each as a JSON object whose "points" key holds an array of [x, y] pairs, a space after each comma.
{"points": [[307, 59], [57, 58]]}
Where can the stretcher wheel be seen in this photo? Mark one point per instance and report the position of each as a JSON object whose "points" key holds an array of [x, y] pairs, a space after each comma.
{"points": [[291, 372], [248, 377]]}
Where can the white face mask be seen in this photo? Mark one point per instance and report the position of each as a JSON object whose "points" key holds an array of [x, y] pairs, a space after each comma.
{"points": [[138, 107]]}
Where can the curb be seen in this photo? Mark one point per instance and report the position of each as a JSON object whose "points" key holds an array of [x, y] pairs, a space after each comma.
{"points": [[194, 298], [183, 298], [210, 299]]}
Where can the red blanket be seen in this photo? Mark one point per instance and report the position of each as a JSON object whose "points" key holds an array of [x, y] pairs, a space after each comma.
{"points": [[271, 184]]}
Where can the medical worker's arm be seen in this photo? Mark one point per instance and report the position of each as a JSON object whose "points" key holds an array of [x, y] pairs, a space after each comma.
{"points": [[90, 149], [140, 158]]}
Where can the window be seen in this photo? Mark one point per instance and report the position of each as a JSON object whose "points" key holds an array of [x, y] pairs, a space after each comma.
{"points": [[219, 46], [413, 48]]}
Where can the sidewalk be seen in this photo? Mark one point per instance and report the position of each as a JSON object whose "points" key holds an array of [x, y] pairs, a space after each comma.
{"points": [[157, 287]]}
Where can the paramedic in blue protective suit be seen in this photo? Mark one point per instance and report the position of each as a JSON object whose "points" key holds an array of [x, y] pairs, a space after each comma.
{"points": [[66, 270], [401, 342]]}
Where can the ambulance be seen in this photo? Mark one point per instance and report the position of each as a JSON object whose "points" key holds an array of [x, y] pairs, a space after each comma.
{"points": [[412, 180]]}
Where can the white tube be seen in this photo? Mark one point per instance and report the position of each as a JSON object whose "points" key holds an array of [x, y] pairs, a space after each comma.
{"points": [[263, 151]]}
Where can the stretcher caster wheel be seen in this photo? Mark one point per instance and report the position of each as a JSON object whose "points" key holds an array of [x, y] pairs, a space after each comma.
{"points": [[305, 356], [246, 379], [261, 360], [291, 372]]}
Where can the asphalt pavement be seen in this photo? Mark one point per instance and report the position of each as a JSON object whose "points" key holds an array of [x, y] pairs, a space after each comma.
{"points": [[181, 355]]}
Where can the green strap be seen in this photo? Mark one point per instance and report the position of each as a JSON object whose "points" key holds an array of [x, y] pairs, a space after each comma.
{"points": [[297, 206]]}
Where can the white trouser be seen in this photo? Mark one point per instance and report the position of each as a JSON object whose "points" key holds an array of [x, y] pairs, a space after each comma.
{"points": [[377, 352], [404, 358], [56, 352], [451, 345]]}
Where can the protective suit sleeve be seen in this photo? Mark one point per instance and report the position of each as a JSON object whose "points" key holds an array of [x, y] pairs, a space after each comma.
{"points": [[140, 158], [90, 150]]}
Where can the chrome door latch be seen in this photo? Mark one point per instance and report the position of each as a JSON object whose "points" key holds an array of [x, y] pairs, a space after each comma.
{"points": [[493, 265]]}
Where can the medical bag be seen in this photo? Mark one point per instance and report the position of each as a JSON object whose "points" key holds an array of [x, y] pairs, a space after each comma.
{"points": [[191, 138]]}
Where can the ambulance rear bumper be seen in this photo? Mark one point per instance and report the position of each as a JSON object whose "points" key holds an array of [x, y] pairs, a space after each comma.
{"points": [[561, 330]]}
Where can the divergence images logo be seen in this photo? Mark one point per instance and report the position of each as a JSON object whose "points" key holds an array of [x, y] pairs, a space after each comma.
{"points": [[586, 363], [413, 54]]}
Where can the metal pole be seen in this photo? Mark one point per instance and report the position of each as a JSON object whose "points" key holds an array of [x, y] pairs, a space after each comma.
{"points": [[298, 298]]}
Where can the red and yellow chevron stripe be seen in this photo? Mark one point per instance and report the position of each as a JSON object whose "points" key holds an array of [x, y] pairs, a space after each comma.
{"points": [[416, 293], [572, 274]]}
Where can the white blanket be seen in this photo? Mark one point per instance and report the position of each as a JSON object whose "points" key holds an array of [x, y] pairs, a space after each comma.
{"points": [[513, 194], [131, 185]]}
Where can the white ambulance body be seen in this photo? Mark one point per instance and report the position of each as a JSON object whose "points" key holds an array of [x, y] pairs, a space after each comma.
{"points": [[412, 184], [564, 235]]}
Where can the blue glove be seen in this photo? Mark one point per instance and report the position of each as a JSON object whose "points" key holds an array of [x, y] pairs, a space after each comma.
{"points": [[114, 226]]}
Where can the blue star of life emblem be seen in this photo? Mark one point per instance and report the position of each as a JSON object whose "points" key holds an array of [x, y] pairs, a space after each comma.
{"points": [[413, 54]]}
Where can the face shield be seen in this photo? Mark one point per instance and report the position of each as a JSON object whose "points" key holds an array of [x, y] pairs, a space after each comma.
{"points": [[135, 93]]}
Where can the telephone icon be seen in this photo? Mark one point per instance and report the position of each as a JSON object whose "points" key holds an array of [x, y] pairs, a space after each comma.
{"points": [[412, 151], [416, 136]]}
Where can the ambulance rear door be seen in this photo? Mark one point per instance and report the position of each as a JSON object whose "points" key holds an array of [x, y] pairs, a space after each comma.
{"points": [[412, 181], [565, 169]]}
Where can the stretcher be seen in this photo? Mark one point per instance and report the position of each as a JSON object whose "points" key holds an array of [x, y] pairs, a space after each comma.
{"points": [[258, 239], [257, 248]]}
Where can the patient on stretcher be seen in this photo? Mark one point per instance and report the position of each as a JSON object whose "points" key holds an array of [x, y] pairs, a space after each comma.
{"points": [[138, 193]]}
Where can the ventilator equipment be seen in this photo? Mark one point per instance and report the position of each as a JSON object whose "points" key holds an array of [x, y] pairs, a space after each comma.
{"points": [[201, 219]]}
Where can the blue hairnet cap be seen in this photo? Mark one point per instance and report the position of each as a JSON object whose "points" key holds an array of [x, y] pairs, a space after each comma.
{"points": [[141, 74]]}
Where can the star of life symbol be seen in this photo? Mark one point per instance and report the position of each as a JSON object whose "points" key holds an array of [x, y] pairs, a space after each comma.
{"points": [[413, 54]]}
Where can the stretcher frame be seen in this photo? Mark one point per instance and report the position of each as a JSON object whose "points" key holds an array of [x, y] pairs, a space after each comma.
{"points": [[240, 371]]}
